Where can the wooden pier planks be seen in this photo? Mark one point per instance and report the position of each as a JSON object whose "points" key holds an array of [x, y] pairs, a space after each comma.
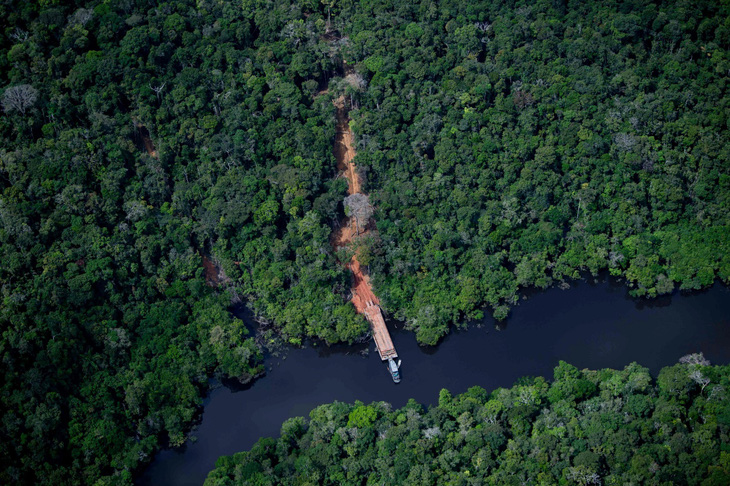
{"points": [[385, 346]]}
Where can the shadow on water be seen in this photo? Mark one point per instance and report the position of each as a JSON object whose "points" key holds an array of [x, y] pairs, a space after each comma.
{"points": [[594, 324], [234, 385], [618, 285], [657, 303], [343, 349]]}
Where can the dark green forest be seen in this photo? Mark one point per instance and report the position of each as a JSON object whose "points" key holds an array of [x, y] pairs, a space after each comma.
{"points": [[583, 428], [512, 147], [505, 146]]}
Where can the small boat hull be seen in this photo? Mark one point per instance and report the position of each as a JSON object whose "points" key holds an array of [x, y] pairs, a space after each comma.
{"points": [[393, 368]]}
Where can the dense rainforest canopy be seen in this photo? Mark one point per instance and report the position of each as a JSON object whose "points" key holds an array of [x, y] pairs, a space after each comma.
{"points": [[585, 428], [504, 147], [510, 147]]}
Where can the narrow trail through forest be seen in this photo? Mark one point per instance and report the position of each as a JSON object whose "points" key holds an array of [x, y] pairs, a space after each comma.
{"points": [[344, 148], [363, 297], [214, 273], [344, 151]]}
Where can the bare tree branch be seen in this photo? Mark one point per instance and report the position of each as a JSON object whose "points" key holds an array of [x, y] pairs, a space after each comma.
{"points": [[19, 98], [358, 206]]}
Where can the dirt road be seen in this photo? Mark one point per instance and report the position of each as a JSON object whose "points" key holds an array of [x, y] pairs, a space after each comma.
{"points": [[344, 151]]}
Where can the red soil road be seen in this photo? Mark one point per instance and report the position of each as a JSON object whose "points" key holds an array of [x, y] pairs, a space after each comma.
{"points": [[363, 297], [344, 148], [362, 292], [344, 151]]}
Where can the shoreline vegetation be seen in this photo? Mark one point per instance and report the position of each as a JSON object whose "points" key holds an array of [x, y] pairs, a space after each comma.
{"points": [[503, 148], [583, 427]]}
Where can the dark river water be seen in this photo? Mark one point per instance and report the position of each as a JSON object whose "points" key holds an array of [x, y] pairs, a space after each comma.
{"points": [[591, 325]]}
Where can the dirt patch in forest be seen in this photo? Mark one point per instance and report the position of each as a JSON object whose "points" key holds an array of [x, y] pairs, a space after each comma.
{"points": [[146, 140], [214, 273], [149, 146], [347, 233]]}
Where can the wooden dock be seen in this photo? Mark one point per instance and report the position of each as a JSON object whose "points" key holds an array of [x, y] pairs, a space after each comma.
{"points": [[367, 303], [380, 332]]}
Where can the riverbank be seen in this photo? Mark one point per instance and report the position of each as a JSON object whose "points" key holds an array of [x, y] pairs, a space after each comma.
{"points": [[591, 325], [583, 426]]}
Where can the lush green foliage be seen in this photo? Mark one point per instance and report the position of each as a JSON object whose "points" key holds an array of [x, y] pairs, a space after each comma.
{"points": [[586, 427], [109, 334], [516, 146], [504, 146]]}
